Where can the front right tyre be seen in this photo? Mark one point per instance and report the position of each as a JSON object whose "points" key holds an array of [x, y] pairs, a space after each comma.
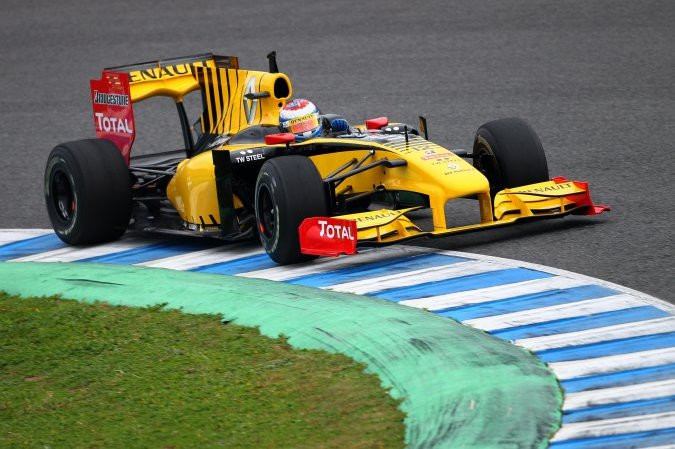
{"points": [[87, 191], [509, 153]]}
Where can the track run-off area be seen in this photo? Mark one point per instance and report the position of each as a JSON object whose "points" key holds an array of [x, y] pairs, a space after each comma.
{"points": [[611, 348]]}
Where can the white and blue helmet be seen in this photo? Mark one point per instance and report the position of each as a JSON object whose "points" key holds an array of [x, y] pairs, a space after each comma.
{"points": [[300, 117]]}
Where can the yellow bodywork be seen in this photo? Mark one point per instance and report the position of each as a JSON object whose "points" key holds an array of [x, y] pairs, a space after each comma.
{"points": [[380, 225], [430, 169], [543, 199], [192, 191], [227, 110]]}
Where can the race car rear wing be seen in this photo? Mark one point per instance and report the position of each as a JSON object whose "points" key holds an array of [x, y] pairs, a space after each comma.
{"points": [[232, 98], [230, 62], [173, 77]]}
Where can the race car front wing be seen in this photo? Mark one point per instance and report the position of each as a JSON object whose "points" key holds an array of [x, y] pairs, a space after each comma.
{"points": [[333, 236]]}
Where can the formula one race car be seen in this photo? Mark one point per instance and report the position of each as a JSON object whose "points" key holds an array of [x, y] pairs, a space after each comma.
{"points": [[239, 176]]}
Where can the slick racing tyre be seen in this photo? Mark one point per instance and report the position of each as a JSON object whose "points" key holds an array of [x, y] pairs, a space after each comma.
{"points": [[88, 191], [509, 153], [288, 190]]}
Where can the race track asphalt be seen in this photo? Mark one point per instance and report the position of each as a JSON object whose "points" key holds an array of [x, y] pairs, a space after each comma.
{"points": [[595, 79]]}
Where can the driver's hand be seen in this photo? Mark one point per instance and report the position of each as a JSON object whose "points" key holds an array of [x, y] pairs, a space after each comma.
{"points": [[339, 125]]}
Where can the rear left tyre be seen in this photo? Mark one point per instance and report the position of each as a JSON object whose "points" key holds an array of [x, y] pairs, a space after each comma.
{"points": [[288, 190], [87, 191]]}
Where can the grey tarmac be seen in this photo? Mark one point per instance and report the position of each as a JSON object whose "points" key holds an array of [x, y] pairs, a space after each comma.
{"points": [[595, 79]]}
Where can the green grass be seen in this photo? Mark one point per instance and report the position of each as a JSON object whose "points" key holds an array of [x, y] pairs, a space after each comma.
{"points": [[99, 376]]}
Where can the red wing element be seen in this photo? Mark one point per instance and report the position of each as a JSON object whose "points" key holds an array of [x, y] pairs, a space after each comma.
{"points": [[584, 199], [377, 123], [324, 236], [274, 139], [113, 114]]}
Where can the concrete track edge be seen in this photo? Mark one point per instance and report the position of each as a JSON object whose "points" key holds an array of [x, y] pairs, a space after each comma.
{"points": [[459, 386]]}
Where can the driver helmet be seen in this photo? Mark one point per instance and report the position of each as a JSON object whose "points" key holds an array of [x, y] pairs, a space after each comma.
{"points": [[300, 117]]}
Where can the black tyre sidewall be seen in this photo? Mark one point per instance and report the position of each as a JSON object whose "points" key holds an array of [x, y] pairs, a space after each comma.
{"points": [[60, 160], [296, 190], [267, 180]]}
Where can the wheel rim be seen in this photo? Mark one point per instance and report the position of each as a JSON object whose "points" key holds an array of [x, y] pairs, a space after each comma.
{"points": [[265, 212], [63, 196]]}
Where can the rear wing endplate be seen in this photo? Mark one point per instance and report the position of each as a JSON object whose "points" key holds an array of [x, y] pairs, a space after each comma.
{"points": [[113, 114]]}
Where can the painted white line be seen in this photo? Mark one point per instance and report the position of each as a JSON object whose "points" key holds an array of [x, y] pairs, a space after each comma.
{"points": [[598, 334], [194, 259], [415, 277], [616, 426], [73, 253], [321, 265], [613, 363], [542, 314], [667, 446], [493, 293], [14, 235], [659, 303], [627, 393]]}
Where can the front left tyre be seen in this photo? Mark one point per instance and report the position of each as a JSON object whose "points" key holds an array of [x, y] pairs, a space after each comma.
{"points": [[88, 191], [288, 190]]}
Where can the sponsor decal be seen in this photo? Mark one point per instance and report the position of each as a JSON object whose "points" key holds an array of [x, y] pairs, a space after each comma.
{"points": [[454, 168], [299, 120], [378, 216], [111, 99], [432, 156], [325, 236], [112, 124], [335, 231], [249, 157], [302, 124], [548, 188], [156, 73]]}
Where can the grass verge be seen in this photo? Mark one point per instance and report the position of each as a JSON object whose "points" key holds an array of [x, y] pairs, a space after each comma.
{"points": [[99, 376]]}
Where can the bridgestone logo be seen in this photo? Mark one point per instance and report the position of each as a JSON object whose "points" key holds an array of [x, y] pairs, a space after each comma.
{"points": [[111, 99]]}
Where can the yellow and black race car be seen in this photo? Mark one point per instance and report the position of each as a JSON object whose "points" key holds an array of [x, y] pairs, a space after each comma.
{"points": [[239, 176]]}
